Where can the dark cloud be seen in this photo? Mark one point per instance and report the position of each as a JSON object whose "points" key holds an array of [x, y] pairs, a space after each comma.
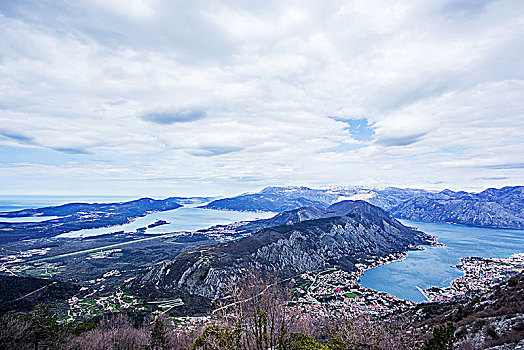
{"points": [[401, 140], [70, 150], [214, 151], [172, 117], [173, 27], [30, 140], [504, 166], [16, 136]]}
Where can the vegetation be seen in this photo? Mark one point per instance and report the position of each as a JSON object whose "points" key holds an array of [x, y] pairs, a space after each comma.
{"points": [[256, 316], [443, 338]]}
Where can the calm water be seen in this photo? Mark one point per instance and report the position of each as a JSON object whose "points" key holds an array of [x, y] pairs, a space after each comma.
{"points": [[29, 219], [182, 219], [432, 267], [187, 218]]}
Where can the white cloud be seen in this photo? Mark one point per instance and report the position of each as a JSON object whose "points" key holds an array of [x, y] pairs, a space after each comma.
{"points": [[238, 95]]}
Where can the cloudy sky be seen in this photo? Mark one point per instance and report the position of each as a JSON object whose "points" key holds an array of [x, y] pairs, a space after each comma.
{"points": [[159, 98]]}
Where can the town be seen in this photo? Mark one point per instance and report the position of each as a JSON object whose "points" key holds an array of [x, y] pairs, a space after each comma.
{"points": [[480, 274]]}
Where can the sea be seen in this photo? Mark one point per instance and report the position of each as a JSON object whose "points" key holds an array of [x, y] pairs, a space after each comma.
{"points": [[435, 265], [186, 218], [18, 202]]}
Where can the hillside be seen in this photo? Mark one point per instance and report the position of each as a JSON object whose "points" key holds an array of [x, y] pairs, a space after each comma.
{"points": [[311, 213], [354, 232], [500, 208], [23, 293], [262, 202], [494, 320]]}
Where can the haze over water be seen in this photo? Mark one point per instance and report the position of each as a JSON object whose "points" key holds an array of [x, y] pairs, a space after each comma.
{"points": [[433, 266]]}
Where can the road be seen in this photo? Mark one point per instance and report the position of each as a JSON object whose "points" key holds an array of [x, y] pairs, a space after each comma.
{"points": [[111, 246]]}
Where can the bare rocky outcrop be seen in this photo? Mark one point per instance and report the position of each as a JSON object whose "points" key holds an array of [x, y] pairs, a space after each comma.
{"points": [[352, 232]]}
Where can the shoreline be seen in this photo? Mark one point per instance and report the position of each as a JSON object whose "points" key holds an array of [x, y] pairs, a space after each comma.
{"points": [[478, 275], [399, 256]]}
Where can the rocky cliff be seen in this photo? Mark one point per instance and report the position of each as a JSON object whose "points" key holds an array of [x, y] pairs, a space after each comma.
{"points": [[351, 233]]}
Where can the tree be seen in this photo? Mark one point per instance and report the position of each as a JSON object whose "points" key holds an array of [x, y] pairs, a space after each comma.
{"points": [[158, 334], [254, 315], [217, 338], [443, 338], [300, 341], [15, 332], [44, 325]]}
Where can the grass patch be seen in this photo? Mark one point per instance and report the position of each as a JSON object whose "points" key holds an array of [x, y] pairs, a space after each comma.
{"points": [[351, 295]]}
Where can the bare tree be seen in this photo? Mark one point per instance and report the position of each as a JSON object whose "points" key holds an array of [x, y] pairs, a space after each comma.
{"points": [[15, 332], [254, 315], [114, 333]]}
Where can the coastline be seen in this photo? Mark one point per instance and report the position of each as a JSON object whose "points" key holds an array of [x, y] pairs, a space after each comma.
{"points": [[478, 275]]}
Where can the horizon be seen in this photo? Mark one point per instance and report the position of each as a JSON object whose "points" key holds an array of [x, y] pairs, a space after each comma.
{"points": [[154, 98], [86, 197]]}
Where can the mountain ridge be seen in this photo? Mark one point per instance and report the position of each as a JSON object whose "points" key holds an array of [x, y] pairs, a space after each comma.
{"points": [[495, 208], [289, 249], [492, 207]]}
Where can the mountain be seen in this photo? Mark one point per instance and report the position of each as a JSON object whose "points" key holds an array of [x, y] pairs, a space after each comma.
{"points": [[285, 198], [350, 233], [313, 213], [262, 202], [77, 216], [500, 208]]}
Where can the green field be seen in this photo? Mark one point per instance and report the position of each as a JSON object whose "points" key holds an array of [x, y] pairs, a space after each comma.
{"points": [[351, 295]]}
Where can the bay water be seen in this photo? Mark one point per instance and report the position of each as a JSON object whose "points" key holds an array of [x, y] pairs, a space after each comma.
{"points": [[434, 266]]}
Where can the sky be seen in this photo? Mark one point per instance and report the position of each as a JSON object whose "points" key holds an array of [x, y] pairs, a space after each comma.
{"points": [[161, 98]]}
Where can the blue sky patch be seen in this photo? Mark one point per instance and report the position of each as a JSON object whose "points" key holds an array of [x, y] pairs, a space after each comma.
{"points": [[360, 129], [35, 155], [343, 147]]}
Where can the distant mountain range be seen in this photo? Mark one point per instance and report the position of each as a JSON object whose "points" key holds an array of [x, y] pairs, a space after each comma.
{"points": [[278, 199], [341, 235], [498, 208]]}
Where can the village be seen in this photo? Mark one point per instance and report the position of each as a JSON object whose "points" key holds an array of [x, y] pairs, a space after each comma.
{"points": [[480, 274]]}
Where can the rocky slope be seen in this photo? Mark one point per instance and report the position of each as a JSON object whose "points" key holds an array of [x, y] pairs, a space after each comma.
{"points": [[494, 320], [500, 208], [353, 232]]}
